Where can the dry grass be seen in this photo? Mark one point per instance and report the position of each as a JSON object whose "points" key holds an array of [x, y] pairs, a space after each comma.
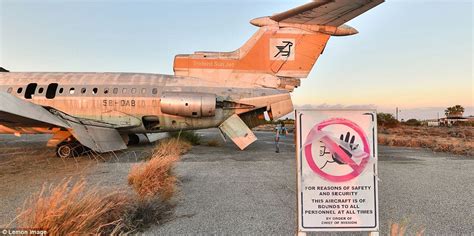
{"points": [[70, 208], [65, 210], [154, 178], [171, 147], [144, 213], [399, 229], [457, 140], [213, 143]]}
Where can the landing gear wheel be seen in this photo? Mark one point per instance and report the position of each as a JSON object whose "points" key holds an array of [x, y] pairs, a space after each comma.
{"points": [[68, 150], [133, 139], [64, 151]]}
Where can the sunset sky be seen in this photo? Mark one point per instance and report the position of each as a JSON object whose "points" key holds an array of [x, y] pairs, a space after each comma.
{"points": [[413, 54]]}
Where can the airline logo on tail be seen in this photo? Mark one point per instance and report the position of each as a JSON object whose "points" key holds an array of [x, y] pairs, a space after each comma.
{"points": [[282, 49]]}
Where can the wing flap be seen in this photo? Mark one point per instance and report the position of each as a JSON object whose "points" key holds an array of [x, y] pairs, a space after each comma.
{"points": [[326, 12], [238, 131], [99, 139]]}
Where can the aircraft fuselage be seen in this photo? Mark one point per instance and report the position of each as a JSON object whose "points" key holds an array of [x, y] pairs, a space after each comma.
{"points": [[129, 99]]}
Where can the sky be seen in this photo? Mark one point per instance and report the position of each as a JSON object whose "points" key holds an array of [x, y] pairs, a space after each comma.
{"points": [[412, 54]]}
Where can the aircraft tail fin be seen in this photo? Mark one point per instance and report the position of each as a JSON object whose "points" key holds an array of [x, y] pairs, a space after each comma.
{"points": [[286, 46], [274, 51]]}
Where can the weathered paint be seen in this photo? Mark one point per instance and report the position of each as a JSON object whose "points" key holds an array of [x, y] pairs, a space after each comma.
{"points": [[127, 109]]}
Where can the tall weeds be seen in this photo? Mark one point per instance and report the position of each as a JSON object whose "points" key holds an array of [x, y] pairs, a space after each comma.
{"points": [[66, 209], [154, 177], [70, 208]]}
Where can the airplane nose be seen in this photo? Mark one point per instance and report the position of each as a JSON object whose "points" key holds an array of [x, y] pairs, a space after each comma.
{"points": [[345, 30]]}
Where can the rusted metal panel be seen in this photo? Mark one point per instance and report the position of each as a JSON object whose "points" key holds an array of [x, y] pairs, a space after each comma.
{"points": [[99, 139], [279, 109], [58, 138], [238, 132]]}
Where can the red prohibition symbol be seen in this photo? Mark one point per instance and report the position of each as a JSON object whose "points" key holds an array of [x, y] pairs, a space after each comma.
{"points": [[318, 134]]}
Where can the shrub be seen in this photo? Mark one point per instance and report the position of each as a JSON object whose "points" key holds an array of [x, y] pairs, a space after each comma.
{"points": [[413, 122], [171, 146], [386, 120], [189, 136], [154, 178], [65, 210], [213, 143], [144, 213]]}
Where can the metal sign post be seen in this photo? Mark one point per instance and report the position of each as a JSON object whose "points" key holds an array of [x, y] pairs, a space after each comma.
{"points": [[337, 170]]}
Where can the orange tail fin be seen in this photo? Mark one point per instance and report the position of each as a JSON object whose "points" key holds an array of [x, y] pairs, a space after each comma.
{"points": [[286, 52], [283, 50]]}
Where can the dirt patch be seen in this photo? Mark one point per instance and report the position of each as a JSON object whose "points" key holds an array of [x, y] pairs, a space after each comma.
{"points": [[457, 140], [26, 165]]}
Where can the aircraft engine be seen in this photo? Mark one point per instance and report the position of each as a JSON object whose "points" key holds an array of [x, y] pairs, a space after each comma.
{"points": [[188, 104]]}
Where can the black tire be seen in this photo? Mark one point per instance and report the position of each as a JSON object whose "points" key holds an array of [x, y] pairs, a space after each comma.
{"points": [[68, 150], [133, 139]]}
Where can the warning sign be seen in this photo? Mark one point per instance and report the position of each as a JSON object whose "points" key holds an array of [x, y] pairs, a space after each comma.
{"points": [[337, 170]]}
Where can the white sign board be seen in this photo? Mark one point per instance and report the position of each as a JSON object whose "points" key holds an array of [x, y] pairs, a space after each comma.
{"points": [[337, 170]]}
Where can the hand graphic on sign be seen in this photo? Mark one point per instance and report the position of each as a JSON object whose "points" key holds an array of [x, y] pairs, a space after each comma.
{"points": [[344, 150], [352, 147]]}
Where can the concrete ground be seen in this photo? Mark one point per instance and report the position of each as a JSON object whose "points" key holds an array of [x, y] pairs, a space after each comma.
{"points": [[253, 192], [226, 191]]}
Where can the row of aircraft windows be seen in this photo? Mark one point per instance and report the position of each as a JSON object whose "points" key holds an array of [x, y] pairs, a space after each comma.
{"points": [[52, 89]]}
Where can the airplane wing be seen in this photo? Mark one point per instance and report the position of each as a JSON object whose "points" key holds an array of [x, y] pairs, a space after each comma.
{"points": [[98, 136], [326, 12], [17, 112]]}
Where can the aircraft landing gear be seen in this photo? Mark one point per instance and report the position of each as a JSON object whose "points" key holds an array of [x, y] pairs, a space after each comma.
{"points": [[69, 149], [133, 139]]}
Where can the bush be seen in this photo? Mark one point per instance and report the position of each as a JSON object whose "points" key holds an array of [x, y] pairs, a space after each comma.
{"points": [[171, 146], [64, 210], [144, 213], [386, 120], [413, 122], [189, 136], [213, 143], [154, 178]]}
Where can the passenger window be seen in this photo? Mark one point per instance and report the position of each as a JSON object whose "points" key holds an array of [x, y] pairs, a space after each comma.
{"points": [[83, 90], [143, 90], [51, 90], [94, 90], [72, 90], [19, 90], [115, 90], [134, 90], [30, 90], [106, 91], [61, 90], [40, 90], [155, 91], [124, 90], [9, 90]]}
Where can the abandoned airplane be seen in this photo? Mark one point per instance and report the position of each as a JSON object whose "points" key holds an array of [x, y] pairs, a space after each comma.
{"points": [[104, 112]]}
